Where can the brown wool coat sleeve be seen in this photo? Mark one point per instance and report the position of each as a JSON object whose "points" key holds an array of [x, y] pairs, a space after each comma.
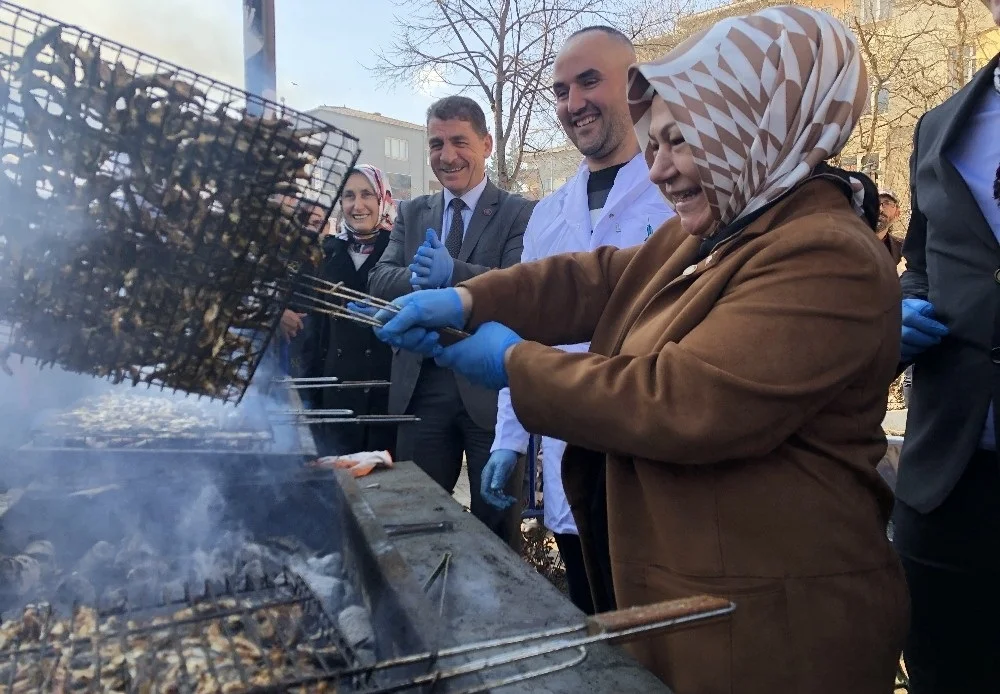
{"points": [[554, 301], [779, 344]]}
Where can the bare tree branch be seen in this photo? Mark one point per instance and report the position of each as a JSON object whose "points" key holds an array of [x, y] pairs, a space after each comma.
{"points": [[502, 53]]}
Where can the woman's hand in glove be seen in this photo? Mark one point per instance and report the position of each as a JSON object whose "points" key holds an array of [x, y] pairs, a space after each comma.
{"points": [[480, 357], [495, 476], [428, 309]]}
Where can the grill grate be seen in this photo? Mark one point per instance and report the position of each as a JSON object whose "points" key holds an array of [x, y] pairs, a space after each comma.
{"points": [[152, 216], [125, 419], [272, 636]]}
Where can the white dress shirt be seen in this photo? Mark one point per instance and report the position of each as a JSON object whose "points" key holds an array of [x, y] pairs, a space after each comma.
{"points": [[976, 155], [471, 199]]}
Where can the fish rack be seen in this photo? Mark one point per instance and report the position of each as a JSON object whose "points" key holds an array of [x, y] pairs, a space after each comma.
{"points": [[266, 636], [152, 215], [275, 637], [124, 420]]}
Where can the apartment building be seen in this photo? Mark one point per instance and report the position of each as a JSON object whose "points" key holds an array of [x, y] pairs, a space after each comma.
{"points": [[397, 147]]}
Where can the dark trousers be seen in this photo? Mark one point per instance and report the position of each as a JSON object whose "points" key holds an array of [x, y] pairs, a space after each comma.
{"points": [[952, 561], [444, 433], [576, 573]]}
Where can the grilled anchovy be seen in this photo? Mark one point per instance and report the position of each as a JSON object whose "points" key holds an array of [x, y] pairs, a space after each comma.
{"points": [[145, 225]]}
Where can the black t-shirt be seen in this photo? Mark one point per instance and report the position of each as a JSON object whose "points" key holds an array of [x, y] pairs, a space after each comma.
{"points": [[599, 186]]}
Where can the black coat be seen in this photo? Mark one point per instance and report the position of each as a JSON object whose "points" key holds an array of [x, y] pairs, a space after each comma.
{"points": [[952, 260], [350, 352]]}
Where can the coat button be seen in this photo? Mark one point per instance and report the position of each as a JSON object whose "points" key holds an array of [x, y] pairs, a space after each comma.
{"points": [[368, 352], [996, 276], [689, 270], [340, 352], [995, 355]]}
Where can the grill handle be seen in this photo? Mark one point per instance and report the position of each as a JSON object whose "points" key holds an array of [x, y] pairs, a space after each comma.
{"points": [[664, 613]]}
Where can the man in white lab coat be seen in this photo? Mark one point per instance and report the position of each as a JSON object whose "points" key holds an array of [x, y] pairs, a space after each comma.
{"points": [[609, 202]]}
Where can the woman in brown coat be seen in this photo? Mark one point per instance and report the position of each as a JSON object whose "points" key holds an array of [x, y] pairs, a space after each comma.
{"points": [[738, 371]]}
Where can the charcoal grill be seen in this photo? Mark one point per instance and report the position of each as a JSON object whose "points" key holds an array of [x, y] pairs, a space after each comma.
{"points": [[275, 637], [150, 222]]}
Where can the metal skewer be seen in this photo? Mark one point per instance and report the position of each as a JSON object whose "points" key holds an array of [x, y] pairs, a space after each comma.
{"points": [[621, 625], [327, 382], [339, 291]]}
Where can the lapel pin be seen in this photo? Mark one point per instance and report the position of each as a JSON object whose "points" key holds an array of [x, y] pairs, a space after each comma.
{"points": [[488, 211]]}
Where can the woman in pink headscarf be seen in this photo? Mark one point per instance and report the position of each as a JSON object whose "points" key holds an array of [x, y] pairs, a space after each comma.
{"points": [[345, 349]]}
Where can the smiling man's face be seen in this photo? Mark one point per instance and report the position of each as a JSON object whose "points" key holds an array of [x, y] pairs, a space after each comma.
{"points": [[589, 83], [458, 153]]}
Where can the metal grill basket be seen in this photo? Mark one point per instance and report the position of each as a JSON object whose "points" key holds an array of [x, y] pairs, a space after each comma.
{"points": [[152, 217], [268, 637]]}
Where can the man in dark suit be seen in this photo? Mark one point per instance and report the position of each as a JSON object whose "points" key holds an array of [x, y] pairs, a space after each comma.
{"points": [[947, 515], [438, 241]]}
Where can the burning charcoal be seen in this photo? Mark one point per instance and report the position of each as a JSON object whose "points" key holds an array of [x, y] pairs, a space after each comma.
{"points": [[20, 574], [330, 565], [114, 599], [74, 590], [40, 550], [365, 655], [97, 560], [328, 589], [8, 499], [356, 626], [134, 550], [289, 545], [252, 573], [173, 590]]}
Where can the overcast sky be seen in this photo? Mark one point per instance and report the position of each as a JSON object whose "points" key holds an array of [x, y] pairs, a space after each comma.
{"points": [[321, 46]]}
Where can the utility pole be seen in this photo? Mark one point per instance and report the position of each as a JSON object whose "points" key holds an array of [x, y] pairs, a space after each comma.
{"points": [[260, 72]]}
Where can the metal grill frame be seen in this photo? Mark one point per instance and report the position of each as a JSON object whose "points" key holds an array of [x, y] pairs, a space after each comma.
{"points": [[338, 152], [283, 590]]}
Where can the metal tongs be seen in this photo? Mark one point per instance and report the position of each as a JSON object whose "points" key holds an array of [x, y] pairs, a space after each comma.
{"points": [[311, 302], [610, 627]]}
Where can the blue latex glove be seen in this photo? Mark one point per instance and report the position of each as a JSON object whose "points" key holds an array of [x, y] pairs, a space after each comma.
{"points": [[496, 474], [920, 330], [420, 313], [433, 265], [480, 357]]}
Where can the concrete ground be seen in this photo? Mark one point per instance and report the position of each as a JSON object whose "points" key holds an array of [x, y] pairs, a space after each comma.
{"points": [[894, 422]]}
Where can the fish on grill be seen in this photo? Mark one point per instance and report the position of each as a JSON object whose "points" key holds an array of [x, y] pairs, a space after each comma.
{"points": [[146, 218], [222, 647], [127, 419]]}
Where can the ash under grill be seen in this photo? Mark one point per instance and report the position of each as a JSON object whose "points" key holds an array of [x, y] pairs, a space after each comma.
{"points": [[265, 636]]}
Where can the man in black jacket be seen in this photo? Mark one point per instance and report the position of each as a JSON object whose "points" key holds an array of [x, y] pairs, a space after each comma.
{"points": [[438, 241], [947, 516]]}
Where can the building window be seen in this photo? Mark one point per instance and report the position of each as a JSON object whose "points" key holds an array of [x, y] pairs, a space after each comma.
{"points": [[397, 149], [882, 99], [401, 185], [961, 66]]}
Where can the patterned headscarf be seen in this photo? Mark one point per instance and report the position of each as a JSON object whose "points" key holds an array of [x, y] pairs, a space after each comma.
{"points": [[386, 210], [761, 100]]}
